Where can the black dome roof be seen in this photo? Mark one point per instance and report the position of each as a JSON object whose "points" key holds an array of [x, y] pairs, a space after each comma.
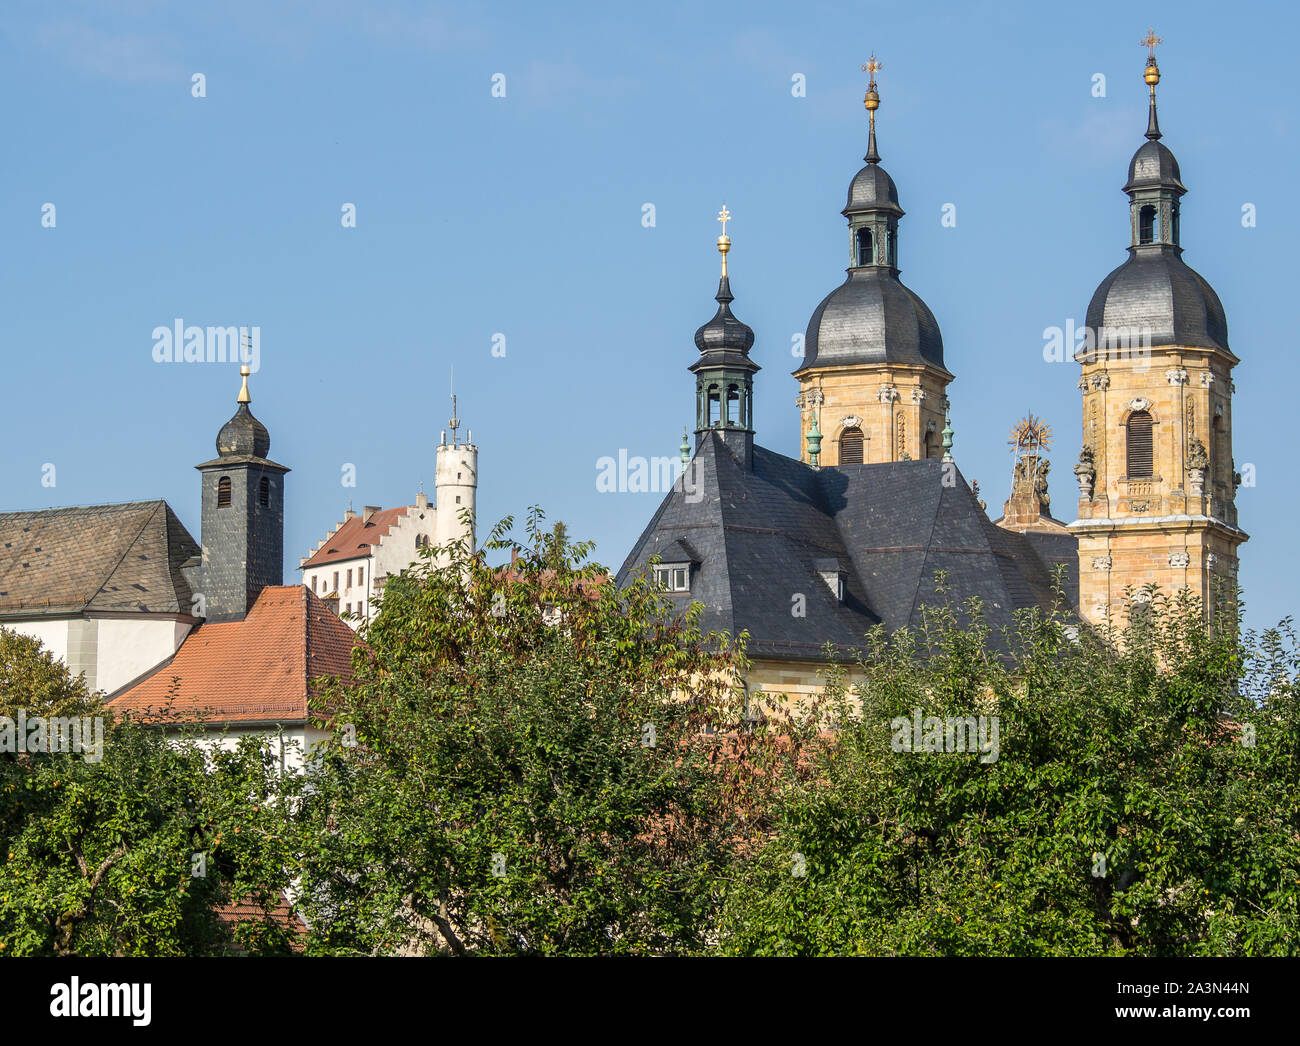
{"points": [[243, 435], [872, 318], [1153, 167], [724, 333], [873, 190], [1155, 288]]}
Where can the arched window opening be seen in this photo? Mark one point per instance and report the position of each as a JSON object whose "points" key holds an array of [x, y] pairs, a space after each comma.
{"points": [[264, 493], [733, 406], [1173, 224], [851, 446], [891, 248], [864, 247], [1139, 451], [931, 444], [223, 492], [1148, 225], [715, 407]]}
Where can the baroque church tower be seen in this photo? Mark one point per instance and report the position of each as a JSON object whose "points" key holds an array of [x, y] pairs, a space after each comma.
{"points": [[1156, 477], [872, 384]]}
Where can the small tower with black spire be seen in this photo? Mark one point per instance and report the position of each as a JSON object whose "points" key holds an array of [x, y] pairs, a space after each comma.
{"points": [[724, 373], [243, 516]]}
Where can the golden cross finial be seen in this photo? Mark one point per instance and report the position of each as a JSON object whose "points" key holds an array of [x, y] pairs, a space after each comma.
{"points": [[724, 241], [872, 67], [1151, 42]]}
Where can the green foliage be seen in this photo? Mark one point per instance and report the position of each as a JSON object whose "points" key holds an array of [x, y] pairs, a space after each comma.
{"points": [[530, 772], [31, 678], [97, 857], [1127, 812]]}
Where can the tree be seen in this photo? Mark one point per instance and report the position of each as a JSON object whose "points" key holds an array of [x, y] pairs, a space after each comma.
{"points": [[521, 765], [1141, 797], [130, 853]]}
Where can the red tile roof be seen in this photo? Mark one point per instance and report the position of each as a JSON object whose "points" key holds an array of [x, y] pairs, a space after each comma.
{"points": [[255, 670], [355, 537], [248, 909]]}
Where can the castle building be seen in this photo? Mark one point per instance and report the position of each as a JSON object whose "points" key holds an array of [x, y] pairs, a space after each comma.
{"points": [[349, 567], [1157, 481]]}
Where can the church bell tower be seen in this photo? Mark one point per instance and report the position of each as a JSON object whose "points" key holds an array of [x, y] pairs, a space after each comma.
{"points": [[1157, 482]]}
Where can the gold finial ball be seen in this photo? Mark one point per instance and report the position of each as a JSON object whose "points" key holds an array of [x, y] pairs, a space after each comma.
{"points": [[1152, 73], [245, 370], [724, 243], [872, 101]]}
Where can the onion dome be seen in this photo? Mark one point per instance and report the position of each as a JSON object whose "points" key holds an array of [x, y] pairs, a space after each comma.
{"points": [[243, 435], [724, 334], [1155, 298]]}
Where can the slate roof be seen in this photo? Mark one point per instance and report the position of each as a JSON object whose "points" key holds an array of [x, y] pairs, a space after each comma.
{"points": [[258, 670], [125, 557], [1156, 289], [355, 538], [759, 536]]}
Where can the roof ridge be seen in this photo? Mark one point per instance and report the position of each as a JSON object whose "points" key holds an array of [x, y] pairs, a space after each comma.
{"points": [[125, 551], [929, 541], [83, 508]]}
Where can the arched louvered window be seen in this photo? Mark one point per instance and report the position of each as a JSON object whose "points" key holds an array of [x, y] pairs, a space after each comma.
{"points": [[1138, 445], [264, 493], [1148, 227], [223, 492], [864, 247], [851, 446]]}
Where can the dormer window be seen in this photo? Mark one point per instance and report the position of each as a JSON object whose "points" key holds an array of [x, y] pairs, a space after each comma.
{"points": [[673, 577], [833, 574]]}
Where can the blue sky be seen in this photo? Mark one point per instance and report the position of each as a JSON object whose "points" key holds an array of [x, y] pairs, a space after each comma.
{"points": [[522, 216]]}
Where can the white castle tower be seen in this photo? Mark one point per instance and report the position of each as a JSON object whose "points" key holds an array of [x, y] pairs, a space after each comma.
{"points": [[455, 484]]}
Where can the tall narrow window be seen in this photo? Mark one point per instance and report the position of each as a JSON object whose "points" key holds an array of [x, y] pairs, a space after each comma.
{"points": [[223, 492], [1148, 226], [851, 446], [264, 493], [864, 247], [1139, 456], [361, 575], [349, 584]]}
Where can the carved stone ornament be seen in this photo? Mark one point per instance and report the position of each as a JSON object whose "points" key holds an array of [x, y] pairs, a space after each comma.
{"points": [[1101, 562], [1179, 559], [888, 394], [1140, 403], [852, 421]]}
